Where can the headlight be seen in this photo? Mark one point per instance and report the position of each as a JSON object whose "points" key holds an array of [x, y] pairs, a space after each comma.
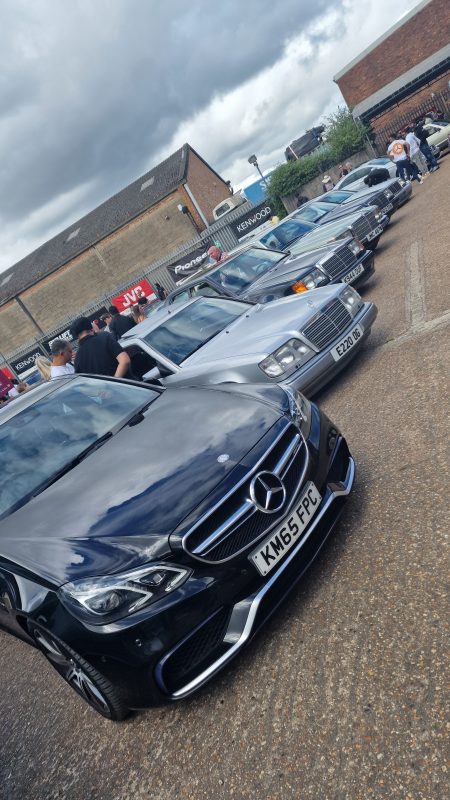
{"points": [[300, 409], [356, 247], [351, 299], [378, 214], [286, 358], [311, 281], [388, 194], [108, 598], [402, 182]]}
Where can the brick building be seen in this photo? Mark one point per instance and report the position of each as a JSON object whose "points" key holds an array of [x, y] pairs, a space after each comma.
{"points": [[135, 227], [403, 70]]}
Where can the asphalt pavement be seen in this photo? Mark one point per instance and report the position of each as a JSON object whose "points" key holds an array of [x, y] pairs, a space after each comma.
{"points": [[342, 696]]}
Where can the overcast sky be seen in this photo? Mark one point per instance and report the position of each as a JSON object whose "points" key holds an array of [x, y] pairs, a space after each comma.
{"points": [[93, 93]]}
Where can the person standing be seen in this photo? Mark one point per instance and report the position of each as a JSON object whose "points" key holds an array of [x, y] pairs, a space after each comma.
{"points": [[415, 152], [398, 152], [118, 323], [160, 291], [216, 253], [327, 183], [425, 147], [98, 355], [62, 355]]}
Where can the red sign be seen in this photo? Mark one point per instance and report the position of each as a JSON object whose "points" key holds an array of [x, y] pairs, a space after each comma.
{"points": [[129, 298], [5, 382]]}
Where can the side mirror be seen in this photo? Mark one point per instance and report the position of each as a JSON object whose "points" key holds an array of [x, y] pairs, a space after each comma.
{"points": [[152, 375]]}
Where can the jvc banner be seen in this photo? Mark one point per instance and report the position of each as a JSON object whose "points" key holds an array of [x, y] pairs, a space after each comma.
{"points": [[189, 264], [251, 220]]}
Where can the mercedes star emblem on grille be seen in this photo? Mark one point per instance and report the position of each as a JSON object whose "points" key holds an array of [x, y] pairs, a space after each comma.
{"points": [[267, 492]]}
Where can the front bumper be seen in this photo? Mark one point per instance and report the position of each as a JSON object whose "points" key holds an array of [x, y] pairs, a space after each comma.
{"points": [[322, 368]]}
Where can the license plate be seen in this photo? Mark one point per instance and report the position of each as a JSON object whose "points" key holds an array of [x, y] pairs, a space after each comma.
{"points": [[376, 232], [350, 277], [388, 207], [347, 342], [274, 547]]}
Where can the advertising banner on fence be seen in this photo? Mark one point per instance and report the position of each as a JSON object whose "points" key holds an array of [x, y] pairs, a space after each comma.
{"points": [[251, 220], [127, 299], [190, 264], [22, 365], [5, 383]]}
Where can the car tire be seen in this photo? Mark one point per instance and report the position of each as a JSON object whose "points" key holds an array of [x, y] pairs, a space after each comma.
{"points": [[82, 677], [373, 244]]}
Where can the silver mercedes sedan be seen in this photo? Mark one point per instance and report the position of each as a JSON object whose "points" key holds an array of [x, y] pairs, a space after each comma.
{"points": [[301, 341]]}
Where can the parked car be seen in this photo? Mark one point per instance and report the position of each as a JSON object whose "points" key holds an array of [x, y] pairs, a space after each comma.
{"points": [[438, 133], [227, 205], [262, 275], [355, 178], [303, 340], [393, 192], [323, 213], [165, 560], [366, 226]]}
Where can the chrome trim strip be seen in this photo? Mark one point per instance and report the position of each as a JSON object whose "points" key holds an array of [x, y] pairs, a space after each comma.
{"points": [[245, 635], [289, 422], [288, 456], [268, 529], [246, 505]]}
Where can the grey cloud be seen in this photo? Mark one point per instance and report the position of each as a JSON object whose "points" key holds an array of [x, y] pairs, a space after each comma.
{"points": [[93, 90]]}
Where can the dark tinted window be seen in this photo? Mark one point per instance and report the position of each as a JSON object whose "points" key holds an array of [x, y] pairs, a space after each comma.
{"points": [[45, 437], [188, 330], [281, 237], [241, 271], [336, 197], [311, 213]]}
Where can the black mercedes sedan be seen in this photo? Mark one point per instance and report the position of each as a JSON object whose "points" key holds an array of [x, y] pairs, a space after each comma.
{"points": [[146, 534]]}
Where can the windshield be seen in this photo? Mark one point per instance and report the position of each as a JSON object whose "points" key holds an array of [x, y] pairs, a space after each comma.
{"points": [[311, 213], [281, 237], [241, 271], [193, 326], [336, 197], [43, 439]]}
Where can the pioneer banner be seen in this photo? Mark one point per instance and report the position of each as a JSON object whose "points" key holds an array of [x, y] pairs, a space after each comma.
{"points": [[251, 220], [190, 264]]}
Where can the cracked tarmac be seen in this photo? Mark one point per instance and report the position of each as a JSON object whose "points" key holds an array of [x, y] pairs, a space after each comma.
{"points": [[342, 695]]}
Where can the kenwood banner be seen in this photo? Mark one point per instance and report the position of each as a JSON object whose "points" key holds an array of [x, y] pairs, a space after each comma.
{"points": [[190, 264], [26, 362], [251, 219]]}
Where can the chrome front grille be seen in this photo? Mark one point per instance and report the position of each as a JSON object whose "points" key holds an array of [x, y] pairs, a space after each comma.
{"points": [[235, 523], [341, 261], [327, 325], [364, 226], [395, 187]]}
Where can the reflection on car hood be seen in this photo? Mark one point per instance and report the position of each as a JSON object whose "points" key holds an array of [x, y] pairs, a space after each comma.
{"points": [[263, 328], [117, 508]]}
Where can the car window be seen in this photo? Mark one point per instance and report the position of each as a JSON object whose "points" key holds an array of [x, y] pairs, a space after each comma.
{"points": [[204, 290], [281, 237], [356, 175], [311, 213], [189, 329], [181, 297], [45, 437], [240, 271], [336, 197]]}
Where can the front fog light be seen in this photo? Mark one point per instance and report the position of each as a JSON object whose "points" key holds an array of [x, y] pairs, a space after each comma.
{"points": [[351, 300]]}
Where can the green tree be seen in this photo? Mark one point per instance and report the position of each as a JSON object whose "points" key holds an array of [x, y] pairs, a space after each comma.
{"points": [[344, 136]]}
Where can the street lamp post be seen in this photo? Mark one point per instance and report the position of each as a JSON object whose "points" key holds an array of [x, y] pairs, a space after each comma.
{"points": [[254, 162]]}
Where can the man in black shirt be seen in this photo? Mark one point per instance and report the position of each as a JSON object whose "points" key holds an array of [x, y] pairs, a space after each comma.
{"points": [[98, 354], [118, 323]]}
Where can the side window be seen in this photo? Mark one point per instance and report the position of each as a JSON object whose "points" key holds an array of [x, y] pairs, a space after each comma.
{"points": [[180, 298], [205, 290], [350, 179]]}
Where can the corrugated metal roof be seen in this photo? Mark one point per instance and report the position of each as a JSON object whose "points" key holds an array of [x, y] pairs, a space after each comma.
{"points": [[103, 220]]}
